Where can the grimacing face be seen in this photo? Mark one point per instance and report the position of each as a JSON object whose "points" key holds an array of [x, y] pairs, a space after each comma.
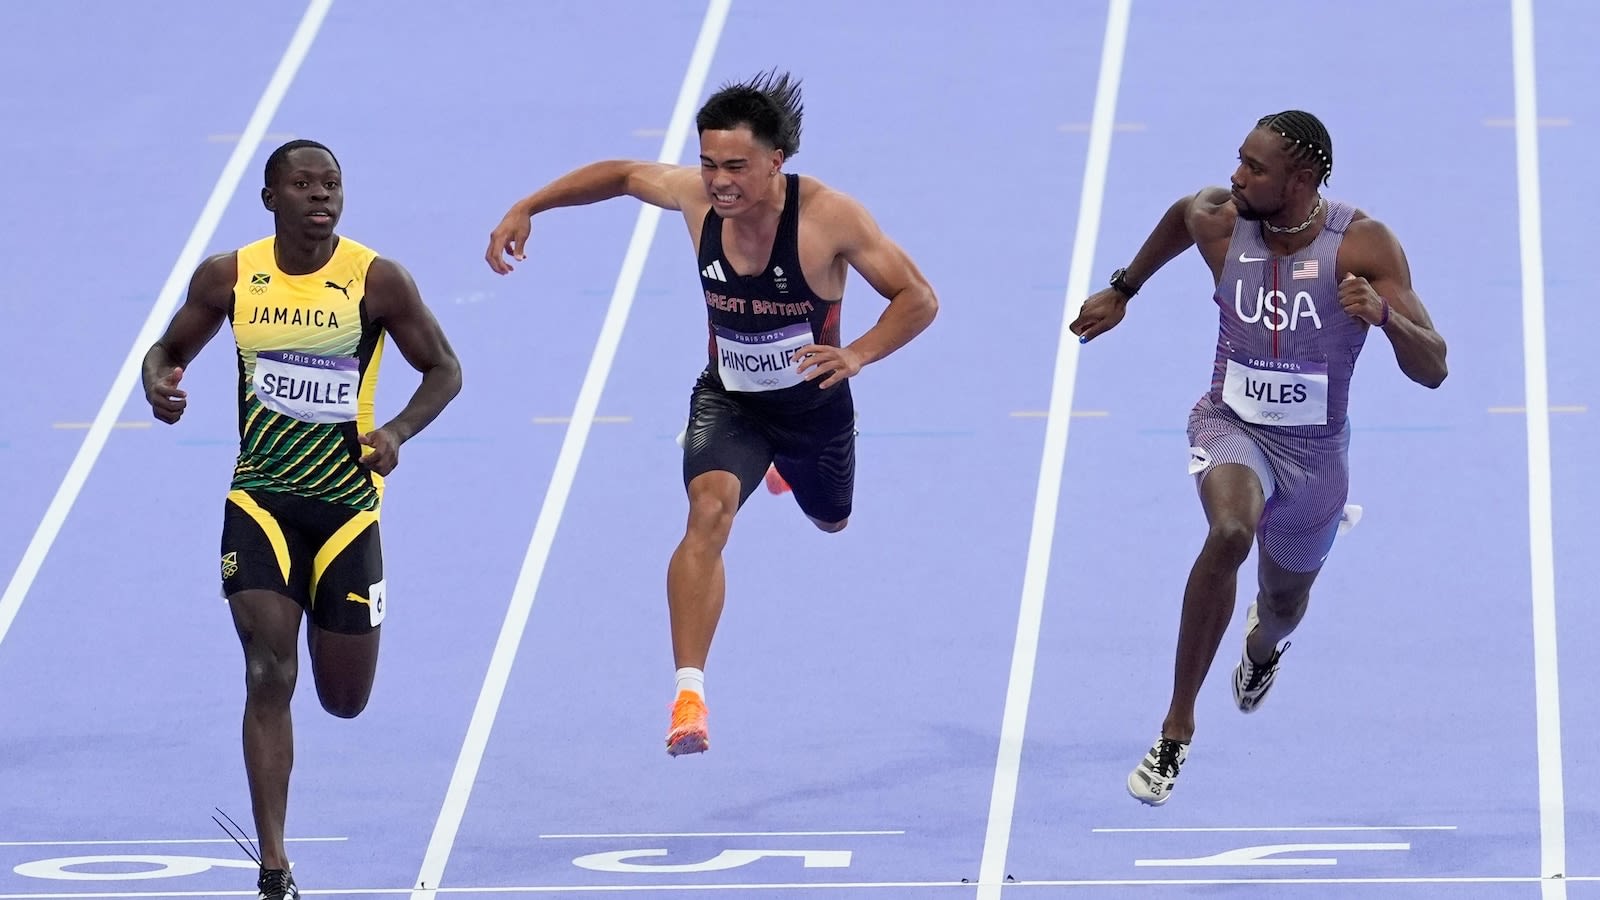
{"points": [[738, 170]]}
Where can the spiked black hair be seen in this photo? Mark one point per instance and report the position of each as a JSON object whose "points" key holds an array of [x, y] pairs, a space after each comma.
{"points": [[280, 158], [1308, 141], [769, 104]]}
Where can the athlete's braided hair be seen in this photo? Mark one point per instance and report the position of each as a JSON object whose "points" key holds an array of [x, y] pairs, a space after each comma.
{"points": [[1307, 139], [769, 104], [280, 157]]}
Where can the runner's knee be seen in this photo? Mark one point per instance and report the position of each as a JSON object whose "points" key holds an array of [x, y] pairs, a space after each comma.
{"points": [[712, 505], [268, 675], [1229, 539]]}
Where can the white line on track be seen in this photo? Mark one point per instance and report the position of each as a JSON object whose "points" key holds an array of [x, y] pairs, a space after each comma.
{"points": [[128, 376], [1014, 720], [566, 469]]}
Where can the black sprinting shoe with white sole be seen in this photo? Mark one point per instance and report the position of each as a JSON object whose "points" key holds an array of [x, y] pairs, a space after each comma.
{"points": [[1251, 680], [1152, 780], [276, 884]]}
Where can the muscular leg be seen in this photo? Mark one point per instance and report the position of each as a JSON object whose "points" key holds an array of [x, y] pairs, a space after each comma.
{"points": [[343, 667], [1232, 497], [268, 624], [696, 583], [1280, 605], [818, 463]]}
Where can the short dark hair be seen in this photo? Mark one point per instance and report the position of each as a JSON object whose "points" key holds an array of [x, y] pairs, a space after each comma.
{"points": [[1306, 138], [280, 158], [769, 104]]}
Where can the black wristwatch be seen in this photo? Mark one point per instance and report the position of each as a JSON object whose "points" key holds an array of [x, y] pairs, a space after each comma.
{"points": [[1119, 283]]}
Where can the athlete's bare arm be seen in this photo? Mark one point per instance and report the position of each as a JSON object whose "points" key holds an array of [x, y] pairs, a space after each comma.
{"points": [[669, 187], [192, 327], [861, 244], [1204, 218], [1210, 217], [1374, 274], [394, 302]]}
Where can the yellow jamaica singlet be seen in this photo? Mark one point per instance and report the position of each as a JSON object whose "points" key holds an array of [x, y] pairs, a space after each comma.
{"points": [[308, 364]]}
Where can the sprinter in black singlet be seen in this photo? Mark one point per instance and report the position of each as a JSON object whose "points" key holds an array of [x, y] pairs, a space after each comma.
{"points": [[309, 311], [773, 251], [758, 324]]}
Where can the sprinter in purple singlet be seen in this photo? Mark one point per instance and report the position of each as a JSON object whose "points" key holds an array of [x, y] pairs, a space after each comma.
{"points": [[1300, 282]]}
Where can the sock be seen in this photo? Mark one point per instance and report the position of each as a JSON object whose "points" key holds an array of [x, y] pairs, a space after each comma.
{"points": [[692, 680]]}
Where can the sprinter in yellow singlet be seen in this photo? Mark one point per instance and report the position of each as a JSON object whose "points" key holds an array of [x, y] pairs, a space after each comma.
{"points": [[310, 312]]}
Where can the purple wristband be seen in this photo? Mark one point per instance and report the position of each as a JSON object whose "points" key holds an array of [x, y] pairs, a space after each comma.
{"points": [[1385, 320]]}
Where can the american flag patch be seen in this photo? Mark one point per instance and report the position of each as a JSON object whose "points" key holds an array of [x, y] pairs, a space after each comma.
{"points": [[1306, 268]]}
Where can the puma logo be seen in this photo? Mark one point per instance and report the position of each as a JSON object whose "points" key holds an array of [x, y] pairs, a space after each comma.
{"points": [[345, 289]]}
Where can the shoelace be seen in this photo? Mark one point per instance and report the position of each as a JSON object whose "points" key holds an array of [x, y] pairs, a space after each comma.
{"points": [[1167, 757], [1260, 671], [271, 881], [250, 850], [684, 714], [274, 882]]}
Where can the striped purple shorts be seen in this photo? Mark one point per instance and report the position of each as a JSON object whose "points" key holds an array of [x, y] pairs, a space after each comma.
{"points": [[1305, 479]]}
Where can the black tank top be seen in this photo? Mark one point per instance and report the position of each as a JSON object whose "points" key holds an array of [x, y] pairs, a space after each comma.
{"points": [[757, 322]]}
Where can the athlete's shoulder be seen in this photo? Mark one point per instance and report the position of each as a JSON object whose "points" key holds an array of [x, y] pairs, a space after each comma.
{"points": [[818, 200], [214, 280], [219, 268], [1211, 212], [1363, 228], [814, 190], [1361, 219], [1369, 247], [1215, 202], [385, 267], [389, 284], [842, 220]]}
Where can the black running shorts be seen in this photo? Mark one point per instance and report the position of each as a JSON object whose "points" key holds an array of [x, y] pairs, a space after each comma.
{"points": [[814, 449], [324, 556]]}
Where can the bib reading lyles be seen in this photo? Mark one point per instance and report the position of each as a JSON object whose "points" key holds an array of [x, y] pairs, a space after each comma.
{"points": [[1277, 391], [763, 361], [318, 389]]}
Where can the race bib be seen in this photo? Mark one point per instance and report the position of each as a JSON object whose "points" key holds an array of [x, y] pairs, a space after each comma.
{"points": [[1277, 391], [377, 595], [310, 388], [760, 362]]}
